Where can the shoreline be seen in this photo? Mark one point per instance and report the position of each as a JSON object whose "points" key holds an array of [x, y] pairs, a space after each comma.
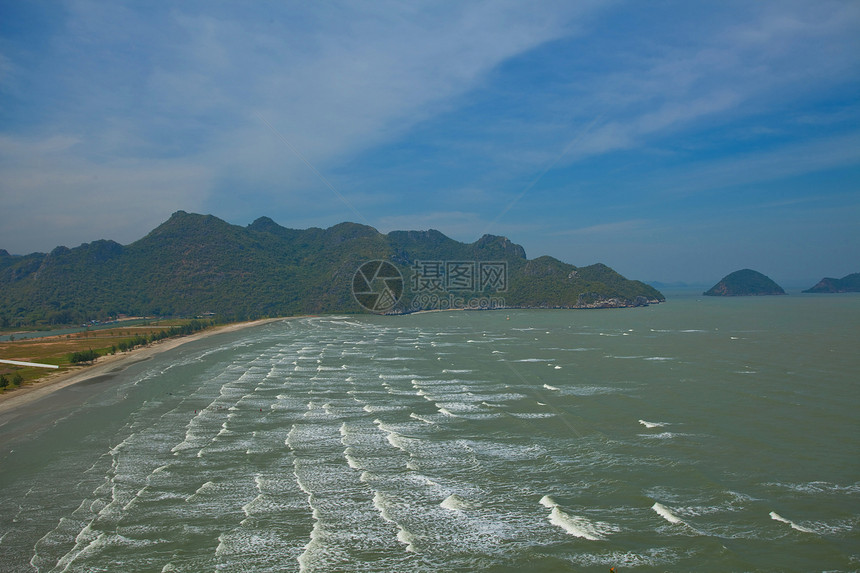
{"points": [[112, 364]]}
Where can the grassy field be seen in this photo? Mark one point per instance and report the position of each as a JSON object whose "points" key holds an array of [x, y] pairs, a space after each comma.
{"points": [[58, 349]]}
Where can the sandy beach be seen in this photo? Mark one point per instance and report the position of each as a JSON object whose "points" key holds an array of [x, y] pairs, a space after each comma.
{"points": [[109, 365]]}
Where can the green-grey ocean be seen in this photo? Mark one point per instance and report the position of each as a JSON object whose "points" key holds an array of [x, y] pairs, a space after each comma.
{"points": [[703, 434]]}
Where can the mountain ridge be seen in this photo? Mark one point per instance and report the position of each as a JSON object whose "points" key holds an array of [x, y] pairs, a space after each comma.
{"points": [[193, 264]]}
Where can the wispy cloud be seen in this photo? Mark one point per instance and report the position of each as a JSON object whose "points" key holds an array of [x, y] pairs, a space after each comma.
{"points": [[49, 189], [707, 70], [588, 119], [180, 83]]}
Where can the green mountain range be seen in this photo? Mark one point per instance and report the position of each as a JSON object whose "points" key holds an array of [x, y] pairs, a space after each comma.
{"points": [[745, 282], [198, 264], [848, 283]]}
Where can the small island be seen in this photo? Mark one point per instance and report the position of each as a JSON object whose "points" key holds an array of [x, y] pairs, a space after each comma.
{"points": [[848, 283], [745, 282]]}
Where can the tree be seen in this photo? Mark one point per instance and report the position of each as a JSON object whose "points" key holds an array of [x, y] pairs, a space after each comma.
{"points": [[3, 381], [17, 380], [83, 356]]}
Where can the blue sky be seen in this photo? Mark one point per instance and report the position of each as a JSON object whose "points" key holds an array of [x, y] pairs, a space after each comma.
{"points": [[673, 141]]}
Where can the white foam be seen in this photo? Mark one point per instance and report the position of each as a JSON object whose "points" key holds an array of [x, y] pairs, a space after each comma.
{"points": [[663, 435], [548, 502], [458, 408], [816, 487], [398, 376], [352, 462], [383, 426], [397, 441], [381, 505], [652, 424], [575, 525], [394, 438], [548, 387], [96, 545], [590, 390], [248, 508], [777, 517], [665, 513], [208, 486], [407, 539], [456, 503]]}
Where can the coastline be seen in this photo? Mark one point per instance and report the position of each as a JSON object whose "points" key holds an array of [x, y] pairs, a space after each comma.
{"points": [[111, 364]]}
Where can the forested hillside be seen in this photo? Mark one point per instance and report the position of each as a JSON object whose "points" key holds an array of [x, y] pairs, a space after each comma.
{"points": [[196, 264]]}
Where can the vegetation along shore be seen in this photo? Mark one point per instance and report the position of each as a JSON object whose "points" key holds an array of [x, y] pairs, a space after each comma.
{"points": [[87, 354]]}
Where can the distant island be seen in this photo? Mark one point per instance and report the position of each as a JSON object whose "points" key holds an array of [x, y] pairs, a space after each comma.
{"points": [[848, 283], [745, 282], [199, 265]]}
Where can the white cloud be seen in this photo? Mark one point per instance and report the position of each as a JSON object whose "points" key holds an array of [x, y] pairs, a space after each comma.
{"points": [[165, 102], [378, 75], [714, 72], [53, 194], [144, 111]]}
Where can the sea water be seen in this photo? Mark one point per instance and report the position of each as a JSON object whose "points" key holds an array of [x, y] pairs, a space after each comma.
{"points": [[700, 434]]}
